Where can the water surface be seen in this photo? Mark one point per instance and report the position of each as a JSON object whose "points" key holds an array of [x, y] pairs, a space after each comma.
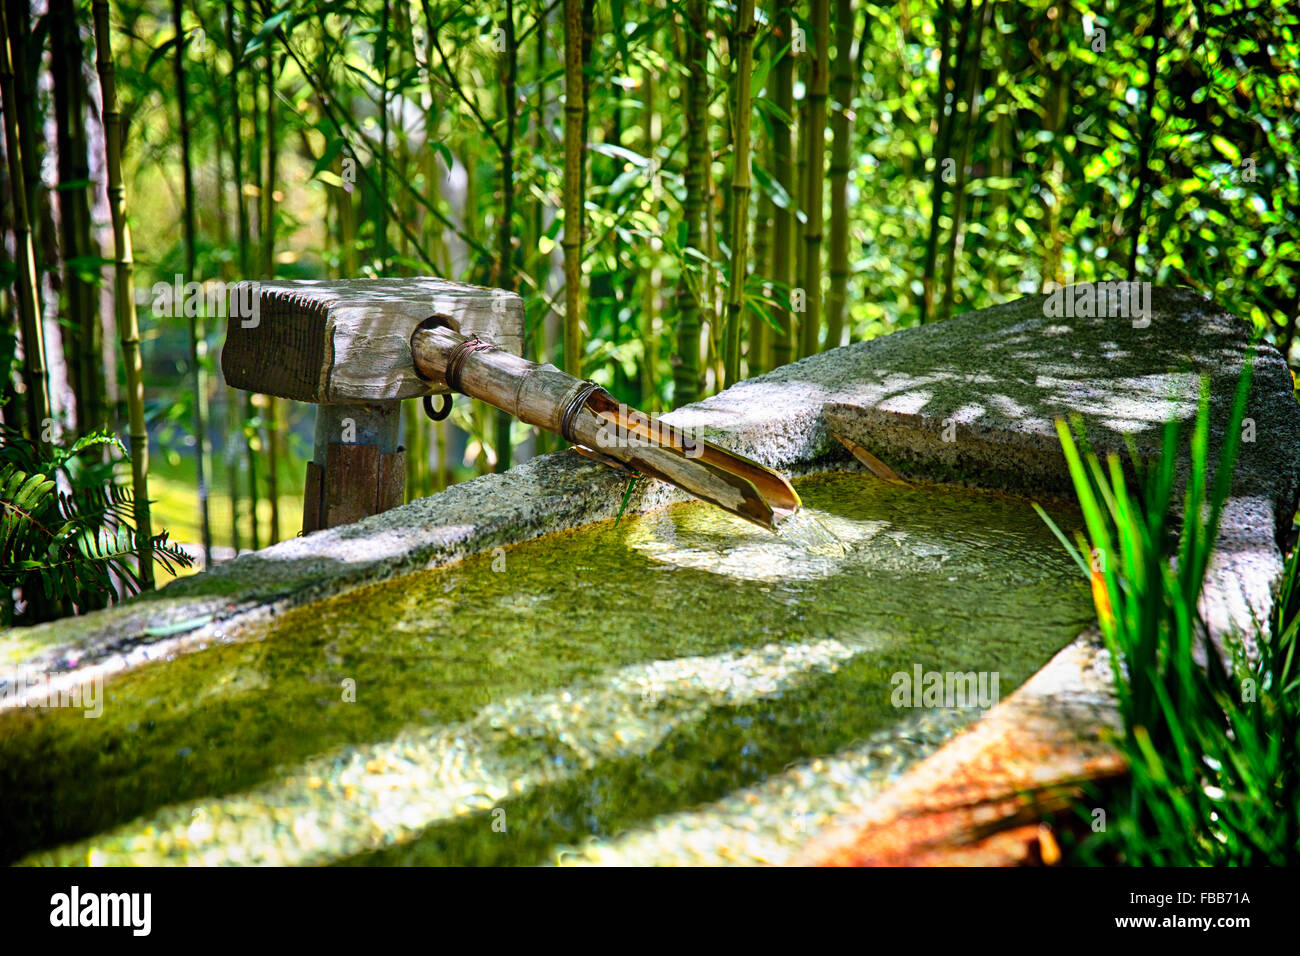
{"points": [[679, 687]]}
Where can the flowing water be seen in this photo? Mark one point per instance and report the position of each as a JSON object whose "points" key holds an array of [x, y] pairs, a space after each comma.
{"points": [[678, 687]]}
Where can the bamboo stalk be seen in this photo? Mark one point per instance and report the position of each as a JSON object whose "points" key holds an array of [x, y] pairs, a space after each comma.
{"points": [[758, 349], [1055, 112], [83, 330], [381, 224], [686, 371], [758, 354], [230, 426], [783, 218], [237, 146], [956, 239], [236, 42], [411, 428], [588, 38], [273, 465], [540, 265], [250, 437], [713, 307], [943, 144], [800, 185], [544, 396], [348, 268], [505, 235], [198, 332], [740, 187], [1001, 149], [34, 371], [405, 57], [413, 425], [252, 402], [574, 150], [236, 436], [22, 40], [841, 135], [814, 141], [650, 275], [268, 272], [234, 432], [1147, 137], [124, 293], [444, 467]]}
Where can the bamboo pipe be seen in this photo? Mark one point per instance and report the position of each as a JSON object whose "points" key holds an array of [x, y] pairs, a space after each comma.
{"points": [[544, 396]]}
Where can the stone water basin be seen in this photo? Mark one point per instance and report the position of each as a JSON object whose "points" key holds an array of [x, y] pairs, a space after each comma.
{"points": [[676, 687]]}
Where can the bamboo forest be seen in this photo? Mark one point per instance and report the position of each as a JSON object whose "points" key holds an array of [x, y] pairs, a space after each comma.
{"points": [[892, 341]]}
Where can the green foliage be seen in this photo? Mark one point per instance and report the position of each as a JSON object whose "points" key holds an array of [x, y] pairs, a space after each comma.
{"points": [[67, 540], [1214, 754]]}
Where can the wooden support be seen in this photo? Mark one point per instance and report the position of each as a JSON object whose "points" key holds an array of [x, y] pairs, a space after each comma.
{"points": [[351, 483], [356, 482], [392, 480], [313, 493], [344, 345], [349, 341]]}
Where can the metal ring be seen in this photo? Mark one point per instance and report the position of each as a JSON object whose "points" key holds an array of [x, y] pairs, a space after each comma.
{"points": [[441, 413], [575, 405]]}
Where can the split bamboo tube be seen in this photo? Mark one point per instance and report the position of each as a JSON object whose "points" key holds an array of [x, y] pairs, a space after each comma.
{"points": [[544, 396]]}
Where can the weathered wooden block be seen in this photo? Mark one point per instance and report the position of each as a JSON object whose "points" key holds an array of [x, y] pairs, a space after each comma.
{"points": [[348, 341], [345, 345]]}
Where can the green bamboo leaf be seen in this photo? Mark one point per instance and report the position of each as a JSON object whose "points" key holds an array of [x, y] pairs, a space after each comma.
{"points": [[268, 28], [771, 188], [159, 52]]}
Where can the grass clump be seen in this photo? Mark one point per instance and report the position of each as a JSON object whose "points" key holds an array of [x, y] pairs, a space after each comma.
{"points": [[1213, 750]]}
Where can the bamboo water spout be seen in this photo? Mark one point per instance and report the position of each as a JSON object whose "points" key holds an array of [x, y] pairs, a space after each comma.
{"points": [[586, 415], [356, 348]]}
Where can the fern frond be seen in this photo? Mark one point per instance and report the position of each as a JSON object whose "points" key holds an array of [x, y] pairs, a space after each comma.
{"points": [[69, 551]]}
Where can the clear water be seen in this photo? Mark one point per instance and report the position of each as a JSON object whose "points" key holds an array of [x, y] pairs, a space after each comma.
{"points": [[679, 687]]}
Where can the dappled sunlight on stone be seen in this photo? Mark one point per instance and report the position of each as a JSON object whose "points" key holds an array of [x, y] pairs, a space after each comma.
{"points": [[348, 546], [1129, 405], [909, 402]]}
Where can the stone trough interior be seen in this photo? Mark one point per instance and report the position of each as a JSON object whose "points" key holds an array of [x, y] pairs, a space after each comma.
{"points": [[970, 402]]}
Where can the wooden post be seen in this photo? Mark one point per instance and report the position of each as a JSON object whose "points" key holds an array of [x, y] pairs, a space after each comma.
{"points": [[344, 345], [357, 469]]}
